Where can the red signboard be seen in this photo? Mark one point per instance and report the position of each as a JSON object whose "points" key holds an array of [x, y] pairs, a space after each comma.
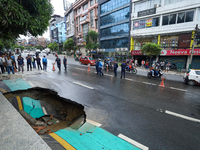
{"points": [[171, 52]]}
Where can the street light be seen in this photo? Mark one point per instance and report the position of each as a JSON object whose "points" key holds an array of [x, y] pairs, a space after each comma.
{"points": [[193, 38]]}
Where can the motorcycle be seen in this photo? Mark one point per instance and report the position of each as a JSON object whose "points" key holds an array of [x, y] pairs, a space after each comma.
{"points": [[76, 58], [159, 75], [131, 69]]}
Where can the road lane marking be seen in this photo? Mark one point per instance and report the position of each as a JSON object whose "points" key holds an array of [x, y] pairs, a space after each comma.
{"points": [[80, 69], [108, 75], [44, 111], [149, 83], [93, 122], [178, 89], [19, 103], [128, 79], [181, 116], [2, 90], [133, 142], [84, 85], [60, 140]]}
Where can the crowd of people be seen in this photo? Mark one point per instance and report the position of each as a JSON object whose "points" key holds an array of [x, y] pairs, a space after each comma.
{"points": [[9, 64]]}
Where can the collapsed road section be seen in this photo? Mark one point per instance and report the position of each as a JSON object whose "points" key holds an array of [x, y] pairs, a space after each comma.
{"points": [[46, 111]]}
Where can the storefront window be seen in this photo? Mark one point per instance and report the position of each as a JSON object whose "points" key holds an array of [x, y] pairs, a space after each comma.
{"points": [[169, 42], [142, 41]]}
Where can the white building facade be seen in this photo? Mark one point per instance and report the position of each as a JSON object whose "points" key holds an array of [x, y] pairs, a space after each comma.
{"points": [[170, 23]]}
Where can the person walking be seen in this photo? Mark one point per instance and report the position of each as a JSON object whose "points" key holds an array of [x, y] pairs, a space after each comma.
{"points": [[44, 62], [115, 68], [97, 66], [13, 57], [38, 60], [147, 64], [33, 61], [143, 63], [123, 66], [29, 63], [20, 61], [136, 63], [100, 67], [162, 65], [58, 62], [9, 65], [1, 64], [65, 63]]}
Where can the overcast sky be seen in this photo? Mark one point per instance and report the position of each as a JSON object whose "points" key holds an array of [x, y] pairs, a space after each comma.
{"points": [[58, 10]]}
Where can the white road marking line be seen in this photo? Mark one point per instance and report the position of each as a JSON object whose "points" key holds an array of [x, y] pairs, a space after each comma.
{"points": [[44, 111], [149, 83], [128, 79], [93, 122], [133, 142], [84, 85], [178, 89], [181, 116], [80, 69], [108, 75]]}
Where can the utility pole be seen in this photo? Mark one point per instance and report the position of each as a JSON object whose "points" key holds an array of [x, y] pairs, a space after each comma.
{"points": [[193, 38]]}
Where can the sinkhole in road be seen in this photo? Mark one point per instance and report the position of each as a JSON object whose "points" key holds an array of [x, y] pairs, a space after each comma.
{"points": [[46, 111]]}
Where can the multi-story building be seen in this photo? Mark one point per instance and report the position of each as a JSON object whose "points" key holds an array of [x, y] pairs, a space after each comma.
{"points": [[69, 20], [85, 18], [42, 41], [22, 42], [114, 25], [32, 41], [53, 28], [169, 23]]}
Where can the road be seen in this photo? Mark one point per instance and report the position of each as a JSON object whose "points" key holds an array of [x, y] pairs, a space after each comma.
{"points": [[160, 118]]}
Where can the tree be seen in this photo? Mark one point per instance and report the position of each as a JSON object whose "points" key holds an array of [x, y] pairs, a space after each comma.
{"points": [[53, 46], [23, 17], [1, 45], [91, 40], [8, 43], [69, 45], [39, 47], [151, 49]]}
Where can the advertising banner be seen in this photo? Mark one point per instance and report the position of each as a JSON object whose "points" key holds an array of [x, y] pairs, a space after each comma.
{"points": [[149, 23]]}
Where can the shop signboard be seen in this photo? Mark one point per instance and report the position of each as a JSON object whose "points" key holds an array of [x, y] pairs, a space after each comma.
{"points": [[179, 52], [136, 25], [147, 12], [149, 23], [142, 24]]}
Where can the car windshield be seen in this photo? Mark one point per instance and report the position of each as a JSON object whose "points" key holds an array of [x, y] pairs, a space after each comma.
{"points": [[90, 58], [197, 72]]}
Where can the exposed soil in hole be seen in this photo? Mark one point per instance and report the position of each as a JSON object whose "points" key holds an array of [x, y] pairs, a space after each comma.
{"points": [[62, 112]]}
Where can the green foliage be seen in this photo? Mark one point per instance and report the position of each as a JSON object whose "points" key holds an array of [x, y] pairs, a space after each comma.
{"points": [[151, 49], [91, 40], [69, 45], [39, 47], [1, 45], [8, 43], [53, 46], [23, 17], [22, 47]]}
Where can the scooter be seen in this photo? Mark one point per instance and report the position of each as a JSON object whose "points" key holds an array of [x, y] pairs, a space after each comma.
{"points": [[159, 75]]}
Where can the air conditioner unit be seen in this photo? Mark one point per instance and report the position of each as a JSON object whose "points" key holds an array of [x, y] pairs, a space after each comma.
{"points": [[156, 5]]}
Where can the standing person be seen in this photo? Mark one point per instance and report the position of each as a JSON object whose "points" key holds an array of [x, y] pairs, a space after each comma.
{"points": [[143, 63], [33, 61], [38, 60], [162, 65], [115, 68], [97, 66], [167, 67], [20, 61], [44, 62], [13, 57], [9, 65], [136, 62], [1, 64], [100, 67], [154, 61], [123, 66], [147, 64], [29, 63], [65, 62], [58, 62]]}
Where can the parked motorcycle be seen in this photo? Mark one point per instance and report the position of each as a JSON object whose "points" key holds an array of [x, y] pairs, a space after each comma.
{"points": [[131, 69], [173, 66], [159, 75]]}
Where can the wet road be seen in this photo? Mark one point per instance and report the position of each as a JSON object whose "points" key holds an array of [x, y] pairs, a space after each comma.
{"points": [[135, 107]]}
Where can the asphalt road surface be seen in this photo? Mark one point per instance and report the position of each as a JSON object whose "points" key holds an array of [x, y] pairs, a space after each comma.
{"points": [[160, 118]]}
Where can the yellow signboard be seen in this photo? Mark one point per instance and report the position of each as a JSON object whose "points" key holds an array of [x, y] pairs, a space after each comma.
{"points": [[149, 23]]}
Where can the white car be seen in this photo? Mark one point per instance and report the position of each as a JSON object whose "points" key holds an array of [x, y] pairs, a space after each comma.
{"points": [[192, 77]]}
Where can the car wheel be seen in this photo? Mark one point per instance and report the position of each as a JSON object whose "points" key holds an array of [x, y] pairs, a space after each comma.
{"points": [[191, 82]]}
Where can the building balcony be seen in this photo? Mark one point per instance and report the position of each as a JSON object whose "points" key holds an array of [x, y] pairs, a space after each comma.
{"points": [[85, 21]]}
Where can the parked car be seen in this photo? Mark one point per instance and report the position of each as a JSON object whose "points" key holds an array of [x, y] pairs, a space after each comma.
{"points": [[86, 60], [192, 77]]}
